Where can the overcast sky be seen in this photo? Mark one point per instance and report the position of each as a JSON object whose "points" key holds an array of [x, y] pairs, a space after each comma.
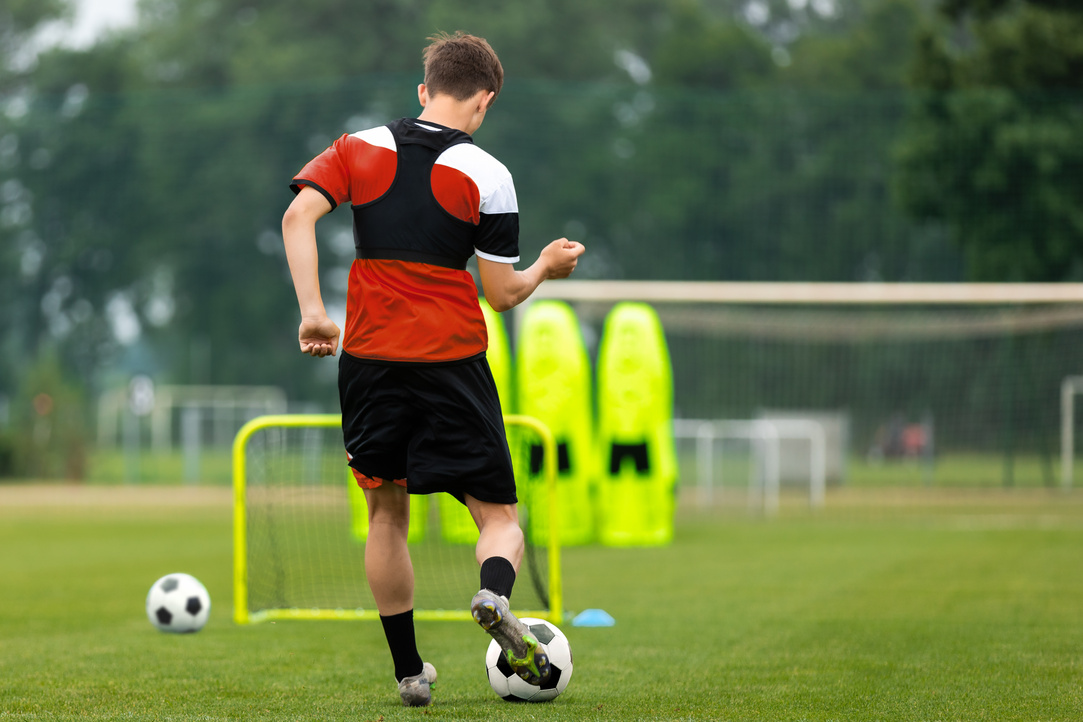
{"points": [[94, 16]]}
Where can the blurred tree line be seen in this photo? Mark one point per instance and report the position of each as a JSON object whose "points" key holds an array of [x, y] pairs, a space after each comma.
{"points": [[143, 178]]}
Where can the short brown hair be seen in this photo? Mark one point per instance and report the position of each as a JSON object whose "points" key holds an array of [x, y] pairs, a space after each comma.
{"points": [[461, 65]]}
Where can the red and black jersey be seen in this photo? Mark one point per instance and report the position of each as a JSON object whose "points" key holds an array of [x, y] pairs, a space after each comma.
{"points": [[424, 200]]}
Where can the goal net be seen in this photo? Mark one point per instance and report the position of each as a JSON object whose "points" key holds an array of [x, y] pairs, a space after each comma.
{"points": [[861, 384], [300, 524]]}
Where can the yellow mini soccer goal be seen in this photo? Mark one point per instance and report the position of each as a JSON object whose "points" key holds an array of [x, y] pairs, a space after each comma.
{"points": [[299, 527]]}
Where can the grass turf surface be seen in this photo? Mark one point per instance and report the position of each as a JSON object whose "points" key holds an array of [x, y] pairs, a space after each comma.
{"points": [[892, 605]]}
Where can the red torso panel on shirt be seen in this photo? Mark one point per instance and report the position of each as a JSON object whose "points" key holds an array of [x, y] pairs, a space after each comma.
{"points": [[424, 200]]}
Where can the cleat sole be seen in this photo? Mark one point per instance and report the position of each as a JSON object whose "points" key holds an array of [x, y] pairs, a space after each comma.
{"points": [[524, 654]]}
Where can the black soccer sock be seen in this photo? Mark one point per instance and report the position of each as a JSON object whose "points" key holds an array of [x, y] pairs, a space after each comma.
{"points": [[399, 630], [498, 575]]}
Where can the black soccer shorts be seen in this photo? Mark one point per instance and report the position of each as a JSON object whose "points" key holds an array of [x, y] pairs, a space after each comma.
{"points": [[439, 426]]}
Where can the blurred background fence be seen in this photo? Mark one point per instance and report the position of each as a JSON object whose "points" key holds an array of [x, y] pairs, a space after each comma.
{"points": [[143, 178]]}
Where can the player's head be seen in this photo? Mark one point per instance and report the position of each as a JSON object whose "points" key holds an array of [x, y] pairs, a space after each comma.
{"points": [[460, 65]]}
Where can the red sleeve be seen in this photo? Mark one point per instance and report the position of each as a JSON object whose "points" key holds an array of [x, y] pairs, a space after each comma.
{"points": [[328, 173]]}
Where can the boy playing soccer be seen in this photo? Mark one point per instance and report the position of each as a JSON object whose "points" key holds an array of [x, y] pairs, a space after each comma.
{"points": [[420, 412]]}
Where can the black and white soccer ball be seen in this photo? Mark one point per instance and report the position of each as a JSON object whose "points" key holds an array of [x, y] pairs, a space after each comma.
{"points": [[509, 686], [178, 603]]}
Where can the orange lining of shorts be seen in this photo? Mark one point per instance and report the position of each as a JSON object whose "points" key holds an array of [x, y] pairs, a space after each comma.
{"points": [[369, 482]]}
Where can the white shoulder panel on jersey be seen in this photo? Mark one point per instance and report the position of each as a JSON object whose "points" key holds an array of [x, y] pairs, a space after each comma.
{"points": [[491, 177], [380, 137]]}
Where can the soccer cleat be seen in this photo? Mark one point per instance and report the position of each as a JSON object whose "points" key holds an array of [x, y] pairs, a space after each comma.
{"points": [[416, 691], [526, 656]]}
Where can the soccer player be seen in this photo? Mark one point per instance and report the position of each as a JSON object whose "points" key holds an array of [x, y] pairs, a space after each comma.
{"points": [[420, 412]]}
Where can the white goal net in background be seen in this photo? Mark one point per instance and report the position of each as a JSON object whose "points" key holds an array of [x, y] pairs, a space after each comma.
{"points": [[897, 384], [179, 432]]}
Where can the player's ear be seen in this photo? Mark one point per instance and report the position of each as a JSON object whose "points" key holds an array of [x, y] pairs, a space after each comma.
{"points": [[486, 100], [422, 95]]}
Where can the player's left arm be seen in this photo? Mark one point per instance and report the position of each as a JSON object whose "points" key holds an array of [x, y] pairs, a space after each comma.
{"points": [[497, 243], [317, 335], [505, 287]]}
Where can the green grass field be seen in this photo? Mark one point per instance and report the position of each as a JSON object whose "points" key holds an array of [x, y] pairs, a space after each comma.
{"points": [[898, 604]]}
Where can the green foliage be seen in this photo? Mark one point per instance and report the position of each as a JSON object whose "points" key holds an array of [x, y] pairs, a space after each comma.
{"points": [[698, 51], [49, 434], [871, 57], [558, 40], [984, 8], [143, 179], [992, 148], [18, 21]]}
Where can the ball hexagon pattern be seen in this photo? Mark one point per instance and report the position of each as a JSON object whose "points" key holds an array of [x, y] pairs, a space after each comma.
{"points": [[509, 686]]}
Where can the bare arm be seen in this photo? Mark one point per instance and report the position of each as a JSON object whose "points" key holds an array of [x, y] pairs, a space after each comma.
{"points": [[317, 335], [506, 288]]}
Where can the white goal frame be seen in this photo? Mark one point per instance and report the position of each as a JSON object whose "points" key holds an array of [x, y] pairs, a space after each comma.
{"points": [[763, 435], [219, 402], [811, 293], [1069, 388], [857, 293]]}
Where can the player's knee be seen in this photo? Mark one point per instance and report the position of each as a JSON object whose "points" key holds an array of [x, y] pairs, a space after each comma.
{"points": [[390, 517], [493, 516]]}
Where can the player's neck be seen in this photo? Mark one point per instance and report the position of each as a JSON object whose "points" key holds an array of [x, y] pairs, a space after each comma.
{"points": [[448, 115], [445, 110]]}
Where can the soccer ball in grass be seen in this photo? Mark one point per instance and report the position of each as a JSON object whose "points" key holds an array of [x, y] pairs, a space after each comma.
{"points": [[178, 603], [511, 687]]}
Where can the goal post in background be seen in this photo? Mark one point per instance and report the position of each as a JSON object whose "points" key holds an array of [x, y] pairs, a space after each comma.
{"points": [[930, 384], [776, 293], [296, 550], [1070, 387]]}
